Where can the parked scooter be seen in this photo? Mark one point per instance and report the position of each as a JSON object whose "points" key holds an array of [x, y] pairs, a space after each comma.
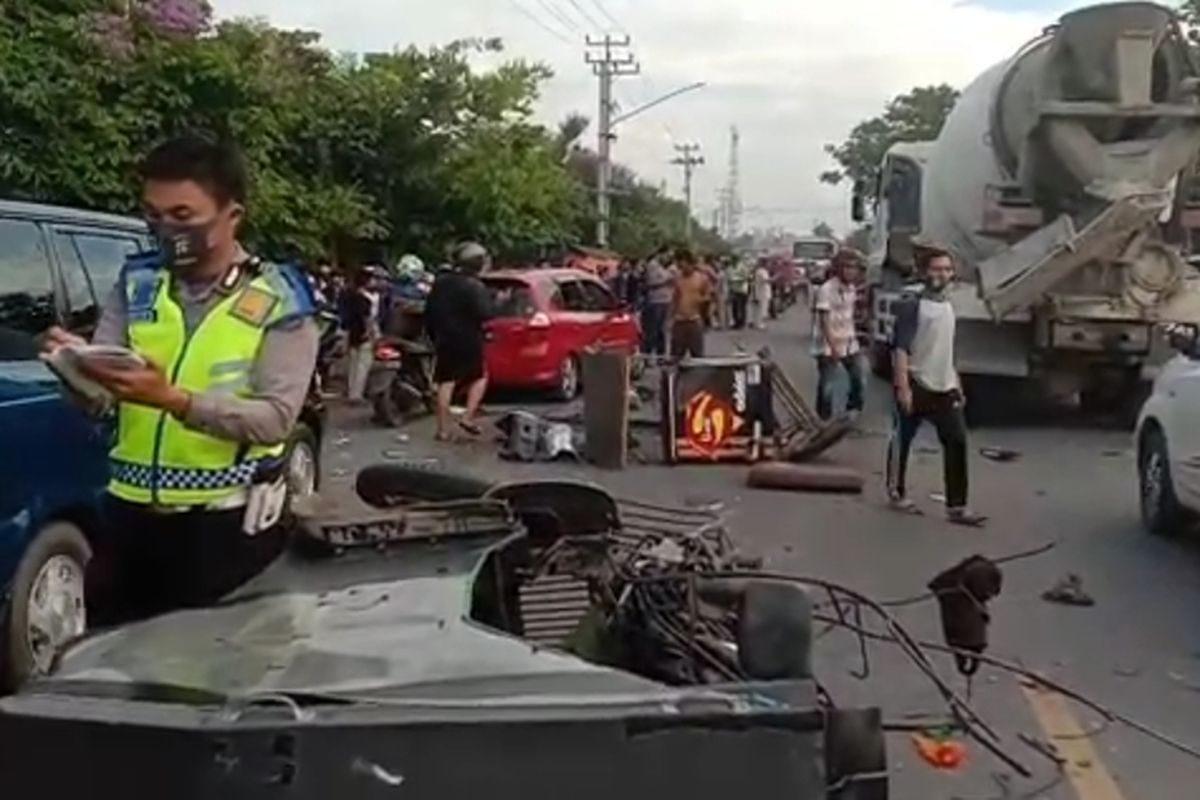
{"points": [[400, 384], [331, 346]]}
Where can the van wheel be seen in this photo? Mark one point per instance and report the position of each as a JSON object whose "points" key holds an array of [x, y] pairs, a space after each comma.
{"points": [[47, 607], [304, 464], [1162, 513]]}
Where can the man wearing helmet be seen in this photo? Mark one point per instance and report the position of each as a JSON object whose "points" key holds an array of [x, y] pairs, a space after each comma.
{"points": [[455, 313]]}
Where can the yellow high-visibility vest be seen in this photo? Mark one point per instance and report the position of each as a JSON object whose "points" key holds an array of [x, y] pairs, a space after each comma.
{"points": [[157, 459]]}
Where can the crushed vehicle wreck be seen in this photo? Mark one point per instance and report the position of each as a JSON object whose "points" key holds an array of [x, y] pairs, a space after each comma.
{"points": [[519, 640]]}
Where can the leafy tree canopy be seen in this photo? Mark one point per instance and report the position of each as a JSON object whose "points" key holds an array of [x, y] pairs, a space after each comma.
{"points": [[361, 157], [911, 117]]}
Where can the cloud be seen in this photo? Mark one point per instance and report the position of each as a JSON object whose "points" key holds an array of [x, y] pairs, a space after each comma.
{"points": [[791, 75]]}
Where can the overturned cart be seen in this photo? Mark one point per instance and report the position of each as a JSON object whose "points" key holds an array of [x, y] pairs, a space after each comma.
{"points": [[528, 641]]}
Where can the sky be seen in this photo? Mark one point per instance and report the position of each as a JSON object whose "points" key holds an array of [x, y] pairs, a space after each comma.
{"points": [[792, 75]]}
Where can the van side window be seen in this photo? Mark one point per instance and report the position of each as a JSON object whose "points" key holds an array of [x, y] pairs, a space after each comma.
{"points": [[103, 256], [26, 288], [90, 266], [80, 300]]}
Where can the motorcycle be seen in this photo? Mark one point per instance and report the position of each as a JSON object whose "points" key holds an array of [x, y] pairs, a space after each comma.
{"points": [[400, 384], [330, 348]]}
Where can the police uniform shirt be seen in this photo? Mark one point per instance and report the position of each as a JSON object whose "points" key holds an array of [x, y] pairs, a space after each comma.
{"points": [[279, 380]]}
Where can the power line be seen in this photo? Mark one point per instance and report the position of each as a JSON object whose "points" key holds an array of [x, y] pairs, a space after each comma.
{"points": [[583, 12], [537, 21], [562, 18], [600, 6]]}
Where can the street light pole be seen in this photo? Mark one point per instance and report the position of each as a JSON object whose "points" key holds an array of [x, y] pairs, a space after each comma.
{"points": [[691, 87]]}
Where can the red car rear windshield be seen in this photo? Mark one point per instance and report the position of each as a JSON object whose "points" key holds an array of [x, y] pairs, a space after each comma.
{"points": [[511, 298]]}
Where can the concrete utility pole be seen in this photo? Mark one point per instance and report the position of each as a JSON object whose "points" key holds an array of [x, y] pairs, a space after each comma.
{"points": [[689, 161], [608, 62], [733, 190]]}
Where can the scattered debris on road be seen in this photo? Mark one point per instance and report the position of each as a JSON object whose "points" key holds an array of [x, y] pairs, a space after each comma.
{"points": [[1186, 683], [527, 437], [806, 477], [962, 593], [1069, 591], [1001, 454], [939, 751]]}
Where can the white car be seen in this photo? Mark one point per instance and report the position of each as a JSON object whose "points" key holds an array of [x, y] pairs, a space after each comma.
{"points": [[1168, 446]]}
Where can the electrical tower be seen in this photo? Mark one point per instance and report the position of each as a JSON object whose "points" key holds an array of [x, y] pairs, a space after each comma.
{"points": [[689, 160], [731, 195], [609, 60]]}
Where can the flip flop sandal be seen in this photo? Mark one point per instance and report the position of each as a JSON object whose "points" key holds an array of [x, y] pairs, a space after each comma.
{"points": [[906, 506], [443, 437], [471, 428], [968, 519]]}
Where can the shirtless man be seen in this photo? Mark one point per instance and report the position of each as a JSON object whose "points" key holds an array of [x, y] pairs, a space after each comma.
{"points": [[693, 294]]}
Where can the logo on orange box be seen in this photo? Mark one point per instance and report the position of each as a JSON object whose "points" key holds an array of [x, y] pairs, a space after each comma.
{"points": [[709, 422]]}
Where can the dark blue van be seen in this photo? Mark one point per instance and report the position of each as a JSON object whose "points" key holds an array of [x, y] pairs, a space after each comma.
{"points": [[56, 266]]}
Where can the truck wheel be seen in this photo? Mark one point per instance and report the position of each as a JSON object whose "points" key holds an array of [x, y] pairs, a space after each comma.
{"points": [[1162, 514], [46, 609], [991, 400]]}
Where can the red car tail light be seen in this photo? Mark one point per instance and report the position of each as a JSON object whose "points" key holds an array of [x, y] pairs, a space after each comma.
{"points": [[539, 321]]}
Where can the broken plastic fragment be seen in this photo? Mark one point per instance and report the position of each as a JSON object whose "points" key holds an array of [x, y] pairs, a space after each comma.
{"points": [[939, 752]]}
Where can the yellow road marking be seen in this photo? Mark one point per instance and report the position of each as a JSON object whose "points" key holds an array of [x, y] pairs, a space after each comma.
{"points": [[1089, 777]]}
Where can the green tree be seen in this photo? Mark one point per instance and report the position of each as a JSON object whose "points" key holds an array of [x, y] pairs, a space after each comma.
{"points": [[373, 156], [360, 157], [917, 115]]}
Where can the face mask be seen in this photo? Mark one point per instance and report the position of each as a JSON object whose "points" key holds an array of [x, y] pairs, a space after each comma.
{"points": [[183, 246], [937, 286]]}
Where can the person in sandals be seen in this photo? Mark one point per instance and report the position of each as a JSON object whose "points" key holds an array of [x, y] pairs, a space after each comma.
{"points": [[927, 386]]}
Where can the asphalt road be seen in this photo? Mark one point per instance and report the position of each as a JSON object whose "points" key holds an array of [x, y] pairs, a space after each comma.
{"points": [[1137, 650]]}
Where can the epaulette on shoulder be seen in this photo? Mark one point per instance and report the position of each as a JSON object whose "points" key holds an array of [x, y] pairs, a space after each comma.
{"points": [[293, 289]]}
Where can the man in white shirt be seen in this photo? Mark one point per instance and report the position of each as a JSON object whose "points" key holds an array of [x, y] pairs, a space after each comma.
{"points": [[927, 388], [760, 300], [835, 342]]}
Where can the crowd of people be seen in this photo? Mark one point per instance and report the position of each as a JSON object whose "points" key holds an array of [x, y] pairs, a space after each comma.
{"points": [[680, 296], [454, 308]]}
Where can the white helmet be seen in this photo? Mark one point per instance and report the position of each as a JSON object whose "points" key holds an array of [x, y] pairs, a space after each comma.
{"points": [[409, 266]]}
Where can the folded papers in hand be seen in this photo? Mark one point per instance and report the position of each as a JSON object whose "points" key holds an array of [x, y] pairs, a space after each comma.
{"points": [[67, 363]]}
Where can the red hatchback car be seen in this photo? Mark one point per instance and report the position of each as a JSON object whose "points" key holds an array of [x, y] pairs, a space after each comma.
{"points": [[545, 319]]}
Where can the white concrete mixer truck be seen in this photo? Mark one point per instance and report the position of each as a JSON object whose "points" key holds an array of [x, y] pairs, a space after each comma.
{"points": [[1062, 184]]}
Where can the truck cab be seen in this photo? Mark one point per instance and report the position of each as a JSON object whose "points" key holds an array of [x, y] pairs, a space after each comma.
{"points": [[895, 218]]}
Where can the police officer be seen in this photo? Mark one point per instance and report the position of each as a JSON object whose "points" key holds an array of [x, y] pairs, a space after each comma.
{"points": [[230, 343]]}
